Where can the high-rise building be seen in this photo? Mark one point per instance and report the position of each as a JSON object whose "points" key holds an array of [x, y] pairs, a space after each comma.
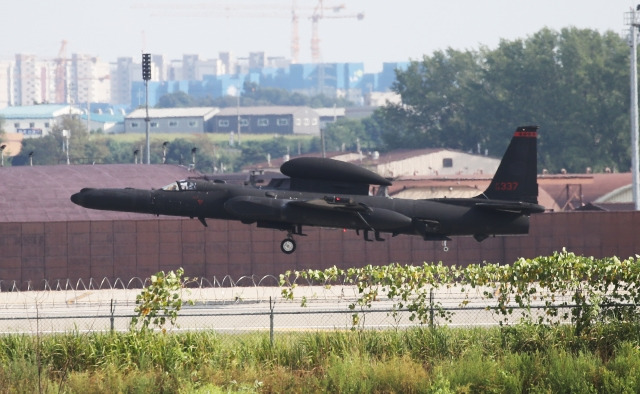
{"points": [[121, 80], [228, 61], [6, 83], [90, 79], [189, 66], [29, 80]]}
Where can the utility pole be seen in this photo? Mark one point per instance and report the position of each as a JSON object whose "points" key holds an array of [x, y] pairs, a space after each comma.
{"points": [[238, 112], [631, 20], [146, 76], [66, 134]]}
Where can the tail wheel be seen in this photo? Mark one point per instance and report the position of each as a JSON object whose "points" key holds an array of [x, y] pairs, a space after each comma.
{"points": [[288, 246]]}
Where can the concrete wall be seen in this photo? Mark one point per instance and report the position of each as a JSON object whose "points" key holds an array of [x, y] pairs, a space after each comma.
{"points": [[33, 252]]}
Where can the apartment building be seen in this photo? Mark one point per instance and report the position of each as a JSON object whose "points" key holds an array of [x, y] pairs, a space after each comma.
{"points": [[89, 80], [84, 78]]}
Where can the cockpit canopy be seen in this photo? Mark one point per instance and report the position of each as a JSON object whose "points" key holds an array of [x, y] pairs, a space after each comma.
{"points": [[192, 185], [185, 184]]}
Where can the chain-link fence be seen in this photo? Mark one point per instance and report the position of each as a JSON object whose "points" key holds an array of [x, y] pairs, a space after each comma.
{"points": [[243, 306]]}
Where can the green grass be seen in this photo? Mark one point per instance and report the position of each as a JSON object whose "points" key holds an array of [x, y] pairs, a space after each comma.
{"points": [[517, 359]]}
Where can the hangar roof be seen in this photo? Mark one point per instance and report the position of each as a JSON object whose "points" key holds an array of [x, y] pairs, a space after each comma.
{"points": [[266, 110], [187, 112], [42, 111], [41, 193]]}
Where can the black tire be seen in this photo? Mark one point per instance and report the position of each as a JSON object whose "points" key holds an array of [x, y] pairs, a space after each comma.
{"points": [[288, 246]]}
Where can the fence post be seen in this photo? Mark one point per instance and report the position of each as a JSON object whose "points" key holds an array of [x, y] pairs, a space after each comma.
{"points": [[431, 308], [271, 306], [112, 318]]}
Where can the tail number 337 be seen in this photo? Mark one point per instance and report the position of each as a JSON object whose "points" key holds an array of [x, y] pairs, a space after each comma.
{"points": [[506, 186]]}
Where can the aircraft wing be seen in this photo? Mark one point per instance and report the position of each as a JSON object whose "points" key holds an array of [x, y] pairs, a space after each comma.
{"points": [[332, 203], [318, 210], [509, 206], [377, 219]]}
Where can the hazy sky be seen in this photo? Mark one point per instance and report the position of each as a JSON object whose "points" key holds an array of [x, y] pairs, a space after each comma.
{"points": [[392, 30]]}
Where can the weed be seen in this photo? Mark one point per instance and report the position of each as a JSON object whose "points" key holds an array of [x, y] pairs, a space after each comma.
{"points": [[523, 358]]}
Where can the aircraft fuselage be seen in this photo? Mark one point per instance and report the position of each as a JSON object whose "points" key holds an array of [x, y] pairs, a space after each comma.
{"points": [[432, 219], [328, 193]]}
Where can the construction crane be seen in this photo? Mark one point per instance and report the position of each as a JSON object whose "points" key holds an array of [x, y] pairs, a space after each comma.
{"points": [[259, 10], [318, 13], [295, 34]]}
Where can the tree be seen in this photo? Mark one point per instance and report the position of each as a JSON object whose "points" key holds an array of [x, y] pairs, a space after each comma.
{"points": [[176, 100], [253, 95], [572, 83], [434, 95], [348, 134], [260, 151], [51, 149], [45, 151]]}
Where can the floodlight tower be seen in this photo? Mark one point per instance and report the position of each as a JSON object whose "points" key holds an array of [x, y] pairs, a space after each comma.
{"points": [[146, 76], [631, 19]]}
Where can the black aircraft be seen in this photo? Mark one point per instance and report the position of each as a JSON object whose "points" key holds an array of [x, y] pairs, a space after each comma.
{"points": [[330, 193]]}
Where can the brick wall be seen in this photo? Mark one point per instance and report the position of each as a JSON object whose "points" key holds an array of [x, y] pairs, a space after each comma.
{"points": [[33, 252]]}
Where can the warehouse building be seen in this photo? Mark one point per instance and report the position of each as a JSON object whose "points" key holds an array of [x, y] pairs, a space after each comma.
{"points": [[267, 120], [170, 120], [34, 121]]}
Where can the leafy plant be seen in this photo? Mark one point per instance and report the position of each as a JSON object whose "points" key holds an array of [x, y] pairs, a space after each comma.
{"points": [[160, 300], [546, 290]]}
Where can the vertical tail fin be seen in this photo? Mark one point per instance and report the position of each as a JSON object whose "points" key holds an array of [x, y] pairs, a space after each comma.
{"points": [[516, 177]]}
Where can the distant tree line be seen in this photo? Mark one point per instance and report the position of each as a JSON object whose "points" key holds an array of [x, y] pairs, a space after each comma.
{"points": [[574, 84], [252, 95]]}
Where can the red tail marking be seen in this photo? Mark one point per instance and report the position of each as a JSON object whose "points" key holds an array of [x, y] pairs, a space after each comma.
{"points": [[526, 134]]}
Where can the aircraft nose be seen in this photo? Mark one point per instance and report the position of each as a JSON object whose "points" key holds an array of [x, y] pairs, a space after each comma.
{"points": [[78, 198]]}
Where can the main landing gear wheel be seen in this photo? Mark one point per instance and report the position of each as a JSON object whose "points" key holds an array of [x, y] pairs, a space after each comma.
{"points": [[288, 246]]}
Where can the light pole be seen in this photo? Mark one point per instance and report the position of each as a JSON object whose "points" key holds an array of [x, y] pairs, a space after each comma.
{"points": [[66, 134], [146, 76], [238, 111], [631, 20]]}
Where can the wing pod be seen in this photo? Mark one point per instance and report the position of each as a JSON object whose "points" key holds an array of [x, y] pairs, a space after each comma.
{"points": [[322, 175], [318, 168]]}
